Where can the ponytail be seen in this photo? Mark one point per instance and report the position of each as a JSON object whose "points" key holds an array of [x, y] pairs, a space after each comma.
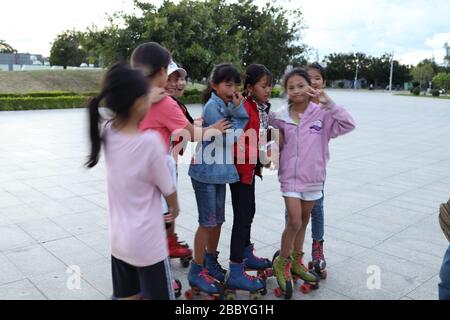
{"points": [[94, 131], [207, 93]]}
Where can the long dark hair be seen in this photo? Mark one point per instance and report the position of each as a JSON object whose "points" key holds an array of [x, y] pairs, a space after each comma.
{"points": [[318, 67], [222, 72], [253, 74], [150, 57], [295, 72], [121, 87]]}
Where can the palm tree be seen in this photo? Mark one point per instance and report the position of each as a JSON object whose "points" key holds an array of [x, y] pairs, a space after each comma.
{"points": [[6, 48]]}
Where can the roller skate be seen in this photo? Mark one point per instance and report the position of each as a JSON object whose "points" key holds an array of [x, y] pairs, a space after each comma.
{"points": [[282, 271], [299, 271], [318, 263], [201, 282], [177, 288], [262, 266], [238, 280], [214, 268], [179, 250]]}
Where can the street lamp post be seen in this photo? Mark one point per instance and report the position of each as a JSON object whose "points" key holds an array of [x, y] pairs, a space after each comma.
{"points": [[356, 74], [392, 72]]}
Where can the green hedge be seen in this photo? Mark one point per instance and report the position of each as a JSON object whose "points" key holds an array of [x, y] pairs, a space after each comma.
{"points": [[66, 100], [47, 94], [38, 103]]}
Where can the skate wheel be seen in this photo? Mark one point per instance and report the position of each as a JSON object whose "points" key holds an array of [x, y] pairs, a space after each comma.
{"points": [[185, 262], [210, 298], [305, 288], [289, 290], [278, 292], [310, 265], [189, 295], [263, 292], [177, 288], [324, 275], [230, 296], [255, 296]]}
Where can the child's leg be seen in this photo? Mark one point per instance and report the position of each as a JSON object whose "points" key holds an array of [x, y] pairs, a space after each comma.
{"points": [[206, 204], [243, 200], [317, 220], [156, 281], [306, 213], [293, 226], [219, 217], [213, 241], [125, 280], [201, 240]]}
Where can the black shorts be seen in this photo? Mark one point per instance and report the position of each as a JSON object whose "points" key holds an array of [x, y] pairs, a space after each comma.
{"points": [[152, 282]]}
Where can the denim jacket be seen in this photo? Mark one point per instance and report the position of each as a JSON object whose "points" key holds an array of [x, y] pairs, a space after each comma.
{"points": [[213, 161]]}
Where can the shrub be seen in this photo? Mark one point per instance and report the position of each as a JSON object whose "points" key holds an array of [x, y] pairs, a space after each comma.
{"points": [[276, 92], [415, 91], [435, 93], [38, 103]]}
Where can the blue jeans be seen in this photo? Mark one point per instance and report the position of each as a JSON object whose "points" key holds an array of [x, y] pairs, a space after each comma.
{"points": [[210, 203], [444, 285], [317, 220]]}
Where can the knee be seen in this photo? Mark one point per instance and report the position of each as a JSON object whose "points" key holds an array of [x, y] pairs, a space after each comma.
{"points": [[294, 224]]}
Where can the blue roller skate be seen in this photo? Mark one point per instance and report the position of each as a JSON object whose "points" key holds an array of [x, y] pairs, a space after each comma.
{"points": [[214, 267], [262, 266], [238, 280], [200, 281]]}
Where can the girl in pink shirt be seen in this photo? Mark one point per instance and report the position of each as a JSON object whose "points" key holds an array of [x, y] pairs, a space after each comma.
{"points": [[136, 180]]}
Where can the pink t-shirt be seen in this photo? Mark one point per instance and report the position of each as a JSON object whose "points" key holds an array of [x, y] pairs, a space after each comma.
{"points": [[136, 179], [165, 117]]}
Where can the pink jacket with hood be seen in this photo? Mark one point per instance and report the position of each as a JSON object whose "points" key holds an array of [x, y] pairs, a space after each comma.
{"points": [[304, 154]]}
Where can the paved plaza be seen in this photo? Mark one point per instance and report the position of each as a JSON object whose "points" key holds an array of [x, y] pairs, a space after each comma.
{"points": [[384, 186]]}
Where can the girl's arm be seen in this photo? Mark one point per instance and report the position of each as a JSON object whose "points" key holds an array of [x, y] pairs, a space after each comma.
{"points": [[337, 121], [162, 177]]}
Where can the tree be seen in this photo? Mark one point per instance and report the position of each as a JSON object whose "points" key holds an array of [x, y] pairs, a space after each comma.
{"points": [[67, 50], [6, 48], [423, 73], [442, 81], [201, 34]]}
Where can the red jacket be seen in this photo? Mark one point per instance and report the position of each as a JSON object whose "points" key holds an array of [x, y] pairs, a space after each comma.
{"points": [[249, 166]]}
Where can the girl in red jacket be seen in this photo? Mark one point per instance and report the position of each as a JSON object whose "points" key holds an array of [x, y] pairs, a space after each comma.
{"points": [[258, 89]]}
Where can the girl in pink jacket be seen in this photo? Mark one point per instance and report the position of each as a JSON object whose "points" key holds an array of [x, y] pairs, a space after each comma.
{"points": [[305, 129]]}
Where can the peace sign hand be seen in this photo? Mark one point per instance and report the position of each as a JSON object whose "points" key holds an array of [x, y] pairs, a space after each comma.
{"points": [[319, 96]]}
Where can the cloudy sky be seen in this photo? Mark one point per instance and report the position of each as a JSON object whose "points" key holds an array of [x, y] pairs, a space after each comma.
{"points": [[412, 29]]}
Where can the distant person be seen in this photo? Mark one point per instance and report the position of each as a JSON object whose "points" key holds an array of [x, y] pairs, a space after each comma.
{"points": [[136, 181]]}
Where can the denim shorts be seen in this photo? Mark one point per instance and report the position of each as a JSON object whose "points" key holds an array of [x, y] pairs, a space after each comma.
{"points": [[210, 203]]}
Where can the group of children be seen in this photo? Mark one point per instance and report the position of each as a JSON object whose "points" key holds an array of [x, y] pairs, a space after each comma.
{"points": [[235, 135]]}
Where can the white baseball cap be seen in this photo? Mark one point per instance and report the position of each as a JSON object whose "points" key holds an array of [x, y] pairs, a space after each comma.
{"points": [[174, 67]]}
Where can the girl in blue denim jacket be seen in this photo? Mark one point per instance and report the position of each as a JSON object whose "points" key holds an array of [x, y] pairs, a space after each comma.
{"points": [[211, 170]]}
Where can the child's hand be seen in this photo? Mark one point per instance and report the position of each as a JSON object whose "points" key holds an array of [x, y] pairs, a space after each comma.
{"points": [[173, 214], [168, 219], [157, 94], [222, 125], [318, 96], [237, 99]]}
